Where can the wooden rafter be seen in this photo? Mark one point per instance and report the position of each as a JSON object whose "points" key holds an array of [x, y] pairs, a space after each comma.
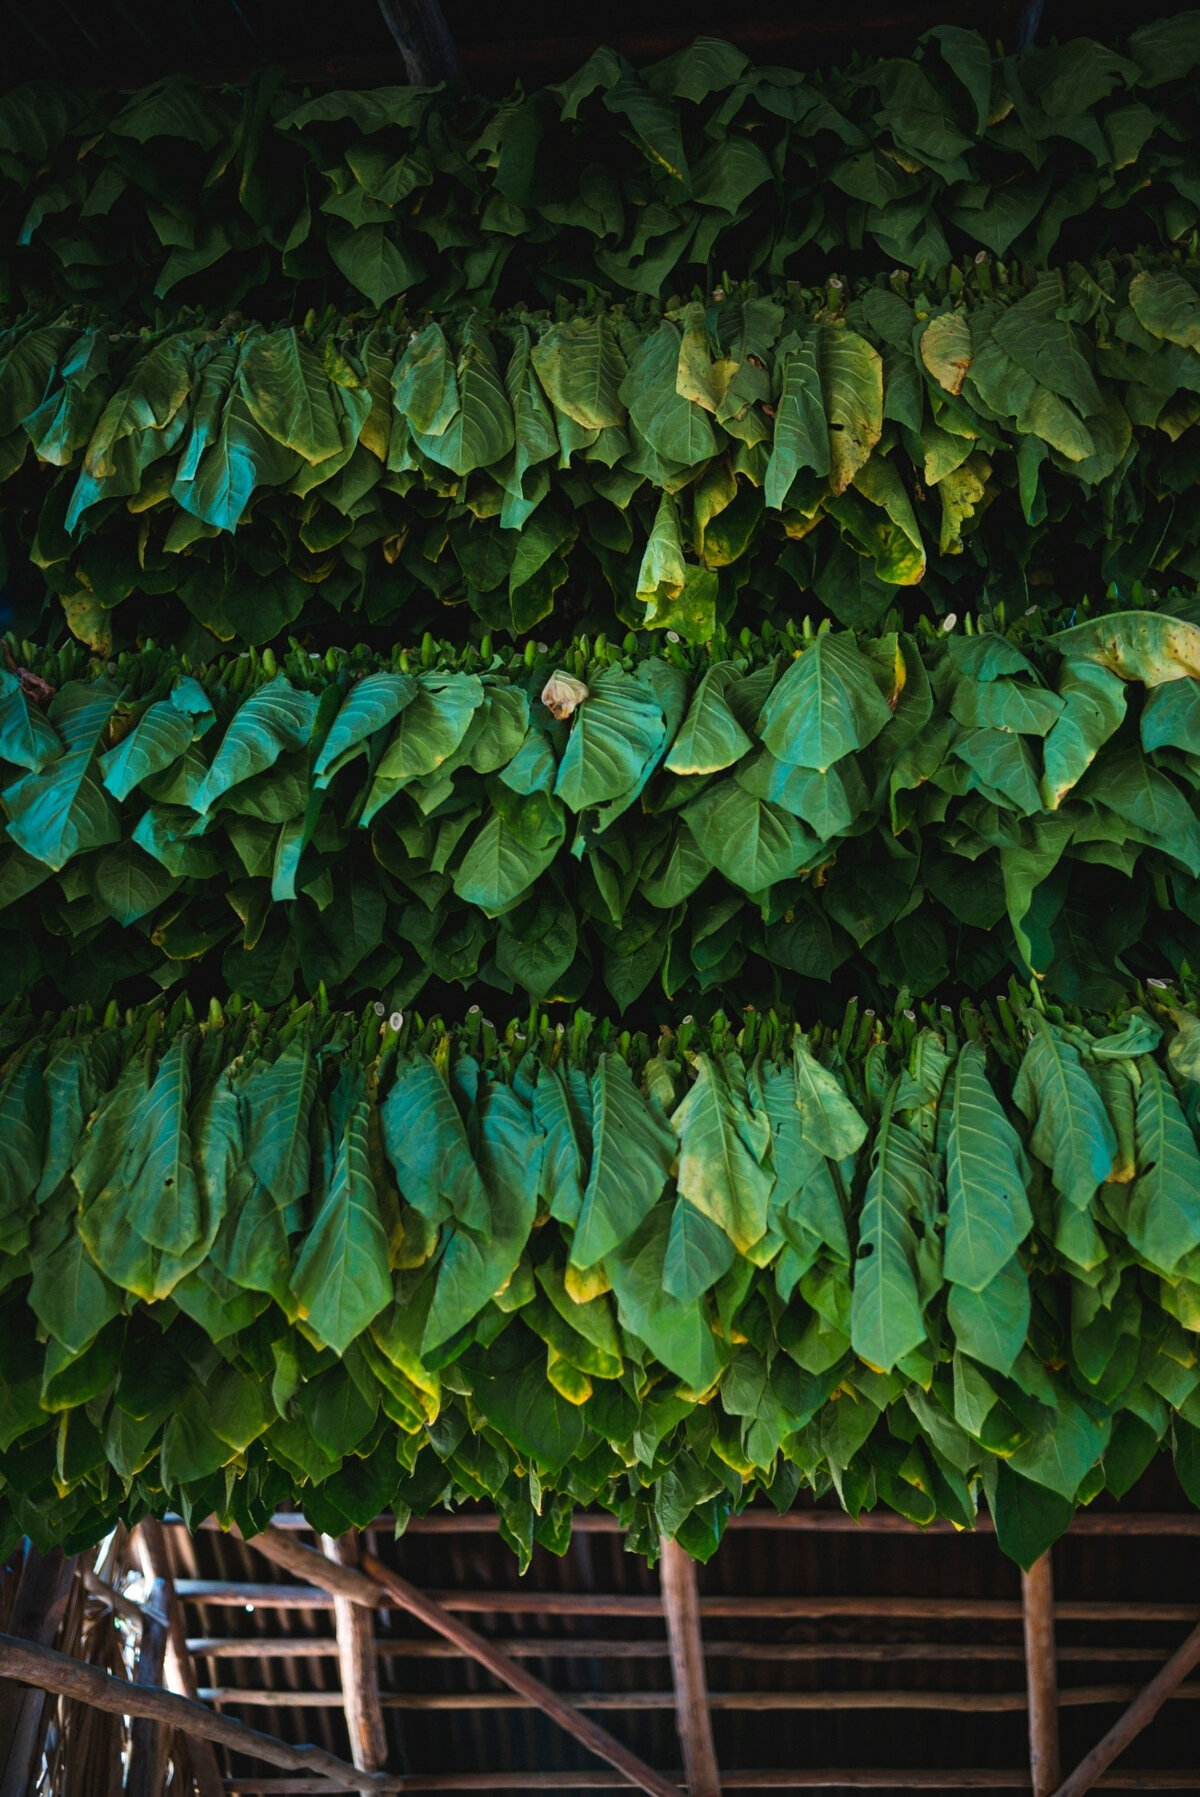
{"points": [[693, 1717], [47, 1670], [377, 1584], [1088, 1773], [1041, 1675], [354, 1629], [147, 1737]]}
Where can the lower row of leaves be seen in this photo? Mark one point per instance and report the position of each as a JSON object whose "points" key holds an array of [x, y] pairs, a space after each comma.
{"points": [[359, 1262]]}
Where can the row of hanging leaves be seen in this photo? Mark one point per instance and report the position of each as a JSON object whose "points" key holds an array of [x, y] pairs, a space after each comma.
{"points": [[625, 180], [956, 807], [645, 462], [372, 1262]]}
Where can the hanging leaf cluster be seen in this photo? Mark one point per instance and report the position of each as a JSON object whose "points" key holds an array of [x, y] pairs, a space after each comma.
{"points": [[379, 1263], [951, 808], [678, 468], [636, 181]]}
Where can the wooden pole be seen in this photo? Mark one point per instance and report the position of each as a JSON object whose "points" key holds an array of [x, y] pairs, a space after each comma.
{"points": [[1041, 1675], [1141, 1711], [47, 1670], [147, 1739], [37, 1615], [151, 1548], [693, 1718], [376, 1584], [355, 1632]]}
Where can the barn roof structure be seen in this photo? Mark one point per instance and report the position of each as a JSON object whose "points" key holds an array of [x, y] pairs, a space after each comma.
{"points": [[811, 1653]]}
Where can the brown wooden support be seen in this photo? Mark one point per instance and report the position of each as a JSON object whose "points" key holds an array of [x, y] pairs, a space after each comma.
{"points": [[151, 1548], [1041, 1675], [47, 1670], [693, 1718], [355, 1631], [147, 1737], [1142, 1710], [36, 1616], [376, 1584]]}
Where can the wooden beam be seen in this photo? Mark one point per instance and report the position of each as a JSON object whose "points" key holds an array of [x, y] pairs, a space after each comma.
{"points": [[693, 1720], [147, 1738], [807, 1780], [1142, 1710], [590, 1647], [47, 1670], [355, 1632], [150, 1546], [1041, 1675], [37, 1614], [377, 1584], [995, 1703], [622, 1603], [821, 1522]]}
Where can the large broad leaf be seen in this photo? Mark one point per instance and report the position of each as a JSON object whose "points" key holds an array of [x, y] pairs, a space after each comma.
{"points": [[481, 432], [1138, 645], [368, 707], [1093, 709], [633, 1148], [22, 1124], [427, 1145], [1029, 1518], [63, 810], [27, 737], [675, 428], [699, 1252], [723, 1145], [581, 367], [1167, 306], [562, 1111], [616, 731], [886, 1320], [158, 739], [342, 1279], [710, 737], [676, 1332], [517, 843], [992, 1325], [1163, 1219], [427, 733], [278, 1100], [477, 1263], [988, 1213], [1041, 341], [828, 1120], [802, 438], [826, 705], [753, 843], [274, 719], [852, 388], [290, 396], [159, 1174], [1071, 1132]]}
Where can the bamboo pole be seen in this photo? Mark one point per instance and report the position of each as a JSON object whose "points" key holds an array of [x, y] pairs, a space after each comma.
{"points": [[376, 1584], [47, 1670], [693, 1719], [1141, 1711], [1041, 1675]]}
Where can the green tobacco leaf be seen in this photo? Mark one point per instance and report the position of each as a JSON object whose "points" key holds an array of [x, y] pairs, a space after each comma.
{"points": [[289, 395], [1167, 306], [516, 844], [1029, 1519], [159, 1171], [992, 1325], [275, 718], [751, 842], [481, 431], [852, 388], [633, 1148], [988, 1214], [427, 1145], [722, 1149], [699, 1252], [676, 1332], [617, 731], [886, 1315], [1093, 710], [710, 737], [1163, 1218], [828, 1120], [369, 706], [342, 1278], [826, 705], [428, 731], [581, 367], [63, 810], [278, 1101], [27, 737], [1071, 1132], [801, 437]]}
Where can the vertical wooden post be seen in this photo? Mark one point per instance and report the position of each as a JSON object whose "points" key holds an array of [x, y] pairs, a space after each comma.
{"points": [[147, 1738], [1041, 1675], [151, 1548], [37, 1616], [355, 1629], [693, 1716]]}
